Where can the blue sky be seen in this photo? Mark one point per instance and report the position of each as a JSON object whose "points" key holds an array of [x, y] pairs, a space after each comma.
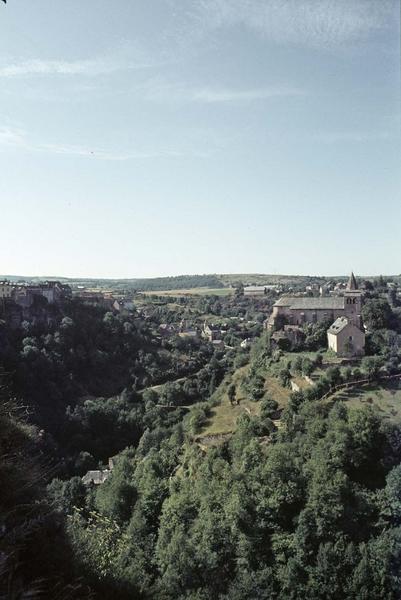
{"points": [[159, 137]]}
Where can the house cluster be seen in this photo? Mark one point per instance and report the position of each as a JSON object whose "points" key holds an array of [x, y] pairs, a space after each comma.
{"points": [[24, 301], [24, 293], [346, 335], [211, 333], [182, 329], [329, 288], [109, 300], [214, 334]]}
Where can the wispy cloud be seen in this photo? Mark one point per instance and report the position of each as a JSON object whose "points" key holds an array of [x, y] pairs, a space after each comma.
{"points": [[94, 67], [18, 139], [123, 56], [166, 92], [323, 23], [98, 153], [333, 137], [11, 137], [213, 95]]}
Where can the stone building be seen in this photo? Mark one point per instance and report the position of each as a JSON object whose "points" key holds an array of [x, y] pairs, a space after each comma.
{"points": [[6, 289], [287, 338], [212, 332], [99, 476], [53, 291], [345, 338], [299, 310]]}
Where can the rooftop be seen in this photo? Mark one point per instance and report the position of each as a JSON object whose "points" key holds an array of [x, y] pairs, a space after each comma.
{"points": [[338, 325], [328, 303], [96, 477], [259, 288]]}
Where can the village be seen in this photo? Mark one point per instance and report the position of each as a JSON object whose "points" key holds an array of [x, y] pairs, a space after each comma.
{"points": [[284, 311], [307, 327], [200, 300], [313, 338]]}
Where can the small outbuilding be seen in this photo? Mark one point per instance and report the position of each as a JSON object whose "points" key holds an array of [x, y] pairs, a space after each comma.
{"points": [[96, 477], [345, 338]]}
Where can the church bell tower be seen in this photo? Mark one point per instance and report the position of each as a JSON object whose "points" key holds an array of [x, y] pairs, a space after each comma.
{"points": [[353, 301]]}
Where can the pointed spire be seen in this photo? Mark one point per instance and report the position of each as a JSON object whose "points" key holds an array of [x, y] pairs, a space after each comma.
{"points": [[352, 285]]}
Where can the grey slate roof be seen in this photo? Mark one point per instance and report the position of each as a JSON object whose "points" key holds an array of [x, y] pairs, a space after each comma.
{"points": [[324, 303], [96, 477], [338, 325]]}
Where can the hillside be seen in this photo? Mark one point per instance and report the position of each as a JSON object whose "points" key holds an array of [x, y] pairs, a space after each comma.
{"points": [[156, 446], [210, 283]]}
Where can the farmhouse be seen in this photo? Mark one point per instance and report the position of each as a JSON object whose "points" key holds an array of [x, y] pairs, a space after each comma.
{"points": [[99, 476], [96, 477]]}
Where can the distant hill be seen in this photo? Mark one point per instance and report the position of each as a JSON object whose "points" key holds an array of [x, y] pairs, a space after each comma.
{"points": [[181, 282], [139, 284]]}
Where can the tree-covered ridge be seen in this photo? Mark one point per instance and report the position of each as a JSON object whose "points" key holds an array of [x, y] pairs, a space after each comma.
{"points": [[139, 284], [315, 514], [177, 282], [300, 500]]}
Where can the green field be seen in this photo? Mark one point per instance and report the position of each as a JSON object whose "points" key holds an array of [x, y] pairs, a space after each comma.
{"points": [[192, 292], [386, 398], [277, 392], [224, 416]]}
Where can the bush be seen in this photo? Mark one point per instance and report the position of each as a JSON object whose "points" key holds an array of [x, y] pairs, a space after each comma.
{"points": [[284, 377], [198, 418], [241, 360], [268, 408]]}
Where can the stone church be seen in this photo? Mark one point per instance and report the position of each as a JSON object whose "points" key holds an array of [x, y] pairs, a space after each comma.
{"points": [[346, 336], [294, 310]]}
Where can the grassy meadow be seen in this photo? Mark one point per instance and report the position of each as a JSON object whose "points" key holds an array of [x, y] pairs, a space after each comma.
{"points": [[224, 416], [385, 397]]}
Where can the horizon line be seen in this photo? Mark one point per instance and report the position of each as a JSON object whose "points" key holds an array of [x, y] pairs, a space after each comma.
{"points": [[149, 277]]}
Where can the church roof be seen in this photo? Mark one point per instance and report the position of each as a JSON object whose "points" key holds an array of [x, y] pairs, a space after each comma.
{"points": [[352, 284], [322, 303]]}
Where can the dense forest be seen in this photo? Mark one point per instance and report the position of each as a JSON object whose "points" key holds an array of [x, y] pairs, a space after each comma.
{"points": [[299, 503]]}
